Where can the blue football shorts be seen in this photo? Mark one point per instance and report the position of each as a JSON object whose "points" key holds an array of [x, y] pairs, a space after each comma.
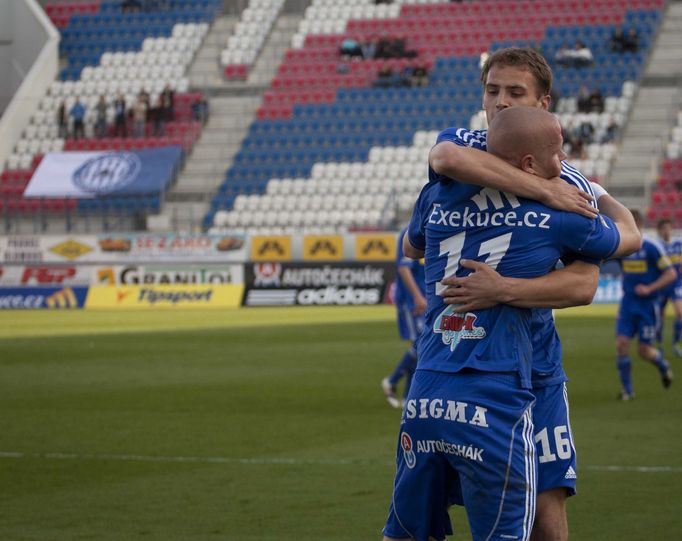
{"points": [[465, 437], [554, 447], [639, 316], [409, 325]]}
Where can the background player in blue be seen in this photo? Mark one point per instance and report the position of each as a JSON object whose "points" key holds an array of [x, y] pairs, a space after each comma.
{"points": [[468, 419], [673, 293], [645, 274], [410, 305], [513, 77]]}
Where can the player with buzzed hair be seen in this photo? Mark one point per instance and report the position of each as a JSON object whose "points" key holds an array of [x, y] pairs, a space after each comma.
{"points": [[521, 77], [467, 428]]}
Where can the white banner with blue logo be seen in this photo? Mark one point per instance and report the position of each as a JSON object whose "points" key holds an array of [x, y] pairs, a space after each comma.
{"points": [[87, 175]]}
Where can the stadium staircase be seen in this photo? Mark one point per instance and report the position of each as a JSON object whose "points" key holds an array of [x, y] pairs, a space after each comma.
{"points": [[636, 166], [203, 72]]}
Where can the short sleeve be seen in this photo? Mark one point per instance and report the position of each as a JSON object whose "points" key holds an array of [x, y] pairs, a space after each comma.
{"points": [[589, 237], [416, 228]]}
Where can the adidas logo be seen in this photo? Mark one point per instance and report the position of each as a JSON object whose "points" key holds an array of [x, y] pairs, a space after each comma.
{"points": [[570, 474]]}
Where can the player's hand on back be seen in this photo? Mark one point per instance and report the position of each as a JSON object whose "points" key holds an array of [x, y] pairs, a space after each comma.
{"points": [[481, 289], [564, 196]]}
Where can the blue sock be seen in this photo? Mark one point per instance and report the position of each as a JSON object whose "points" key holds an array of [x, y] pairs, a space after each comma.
{"points": [[677, 331], [624, 365], [406, 366], [660, 362]]}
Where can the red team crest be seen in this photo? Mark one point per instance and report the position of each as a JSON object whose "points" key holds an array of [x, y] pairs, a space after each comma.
{"points": [[408, 451], [455, 327]]}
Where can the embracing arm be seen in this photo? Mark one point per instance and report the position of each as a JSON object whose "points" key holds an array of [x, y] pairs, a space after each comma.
{"points": [[574, 285], [630, 236], [473, 166]]}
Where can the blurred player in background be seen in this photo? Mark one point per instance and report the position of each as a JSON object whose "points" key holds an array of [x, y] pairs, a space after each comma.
{"points": [[513, 77], [673, 293], [410, 304], [645, 274], [467, 426]]}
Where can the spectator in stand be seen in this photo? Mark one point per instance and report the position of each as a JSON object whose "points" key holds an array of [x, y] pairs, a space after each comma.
{"points": [[168, 103], [77, 113], [350, 48], [622, 42], [158, 117], [131, 6], [583, 99], [101, 117], [419, 75], [579, 56], [610, 133], [140, 111], [596, 101], [573, 144], [385, 48], [386, 77], [388, 47], [585, 133], [120, 121], [401, 50], [631, 44], [369, 48], [62, 121], [200, 109]]}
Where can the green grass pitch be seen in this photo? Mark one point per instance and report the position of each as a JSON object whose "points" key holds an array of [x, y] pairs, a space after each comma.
{"points": [[269, 425]]}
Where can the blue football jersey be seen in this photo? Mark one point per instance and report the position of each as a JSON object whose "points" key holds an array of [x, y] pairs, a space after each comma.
{"points": [[402, 294], [643, 267], [673, 250], [518, 238], [547, 351]]}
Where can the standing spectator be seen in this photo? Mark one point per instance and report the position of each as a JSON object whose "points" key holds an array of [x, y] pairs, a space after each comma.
{"points": [[77, 113], [62, 121], [168, 104], [120, 122], [200, 109], [158, 117], [139, 116], [101, 117]]}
